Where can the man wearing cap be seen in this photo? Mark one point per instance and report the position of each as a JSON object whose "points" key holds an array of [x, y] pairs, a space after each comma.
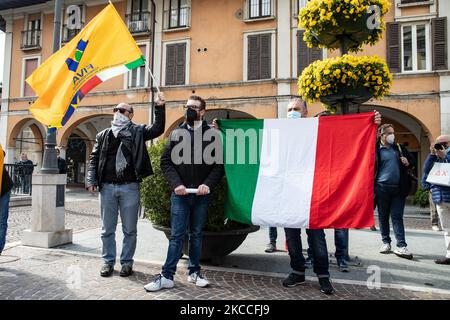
{"points": [[118, 163]]}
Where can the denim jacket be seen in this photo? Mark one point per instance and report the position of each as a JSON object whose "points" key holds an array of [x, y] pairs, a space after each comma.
{"points": [[439, 193]]}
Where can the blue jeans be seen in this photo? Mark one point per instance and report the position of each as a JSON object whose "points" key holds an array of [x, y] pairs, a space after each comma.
{"points": [[273, 234], [318, 246], [390, 204], [4, 209], [186, 211], [123, 198], [341, 244]]}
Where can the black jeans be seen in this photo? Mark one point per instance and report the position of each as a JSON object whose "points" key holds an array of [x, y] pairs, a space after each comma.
{"points": [[318, 246]]}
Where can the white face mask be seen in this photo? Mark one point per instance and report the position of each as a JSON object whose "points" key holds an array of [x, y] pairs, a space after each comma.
{"points": [[294, 115], [390, 138], [120, 117]]}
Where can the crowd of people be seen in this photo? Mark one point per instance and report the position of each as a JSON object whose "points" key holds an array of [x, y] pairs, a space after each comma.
{"points": [[119, 161]]}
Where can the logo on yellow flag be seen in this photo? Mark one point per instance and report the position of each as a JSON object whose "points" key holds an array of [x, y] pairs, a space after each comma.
{"points": [[102, 50]]}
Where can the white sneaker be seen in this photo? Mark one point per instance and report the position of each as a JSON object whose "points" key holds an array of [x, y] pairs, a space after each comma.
{"points": [[385, 248], [159, 283], [403, 252], [436, 228], [198, 279]]}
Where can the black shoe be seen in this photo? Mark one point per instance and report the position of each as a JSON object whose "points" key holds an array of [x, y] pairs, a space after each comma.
{"points": [[442, 261], [294, 279], [106, 270], [326, 286], [126, 271], [373, 228], [343, 266]]}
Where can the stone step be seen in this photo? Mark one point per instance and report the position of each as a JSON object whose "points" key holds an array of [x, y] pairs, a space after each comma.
{"points": [[19, 201]]}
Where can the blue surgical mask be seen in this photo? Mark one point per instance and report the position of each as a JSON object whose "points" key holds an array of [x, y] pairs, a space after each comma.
{"points": [[294, 115], [447, 150]]}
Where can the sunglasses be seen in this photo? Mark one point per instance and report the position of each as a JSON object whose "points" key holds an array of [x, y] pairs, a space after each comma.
{"points": [[121, 110]]}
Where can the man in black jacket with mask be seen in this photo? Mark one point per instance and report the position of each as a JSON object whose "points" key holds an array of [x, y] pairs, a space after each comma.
{"points": [[392, 186], [118, 162], [192, 173]]}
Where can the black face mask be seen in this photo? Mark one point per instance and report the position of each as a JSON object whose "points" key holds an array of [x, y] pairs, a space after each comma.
{"points": [[191, 116]]}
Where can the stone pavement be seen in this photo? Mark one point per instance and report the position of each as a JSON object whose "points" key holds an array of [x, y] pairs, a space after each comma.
{"points": [[71, 271], [45, 274]]}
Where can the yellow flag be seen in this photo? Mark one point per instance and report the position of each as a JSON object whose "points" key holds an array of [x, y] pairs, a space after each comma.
{"points": [[1, 167], [102, 50]]}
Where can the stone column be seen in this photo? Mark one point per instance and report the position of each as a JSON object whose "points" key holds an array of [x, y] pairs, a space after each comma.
{"points": [[48, 213], [283, 56]]}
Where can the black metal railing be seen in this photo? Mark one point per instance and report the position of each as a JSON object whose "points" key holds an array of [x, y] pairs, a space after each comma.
{"points": [[177, 18], [411, 1], [69, 34], [138, 22], [259, 9], [21, 175], [31, 39]]}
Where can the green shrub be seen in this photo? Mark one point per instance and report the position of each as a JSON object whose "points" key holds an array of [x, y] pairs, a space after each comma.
{"points": [[155, 196], [421, 198]]}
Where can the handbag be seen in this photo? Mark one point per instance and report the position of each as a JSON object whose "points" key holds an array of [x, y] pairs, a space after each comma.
{"points": [[412, 178], [440, 174]]}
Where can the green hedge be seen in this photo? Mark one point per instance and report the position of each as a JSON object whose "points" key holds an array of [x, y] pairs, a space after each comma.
{"points": [[155, 196], [421, 198]]}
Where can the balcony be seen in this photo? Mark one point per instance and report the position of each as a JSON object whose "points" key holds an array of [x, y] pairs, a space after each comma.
{"points": [[175, 19], [31, 39], [138, 22], [69, 34]]}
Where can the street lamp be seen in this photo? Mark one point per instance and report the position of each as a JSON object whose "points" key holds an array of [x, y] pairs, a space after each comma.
{"points": [[50, 162]]}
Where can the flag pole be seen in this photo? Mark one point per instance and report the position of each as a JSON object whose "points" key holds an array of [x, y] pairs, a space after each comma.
{"points": [[154, 80], [50, 162]]}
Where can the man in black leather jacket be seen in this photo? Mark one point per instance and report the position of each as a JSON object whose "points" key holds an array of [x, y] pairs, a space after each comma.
{"points": [[118, 163]]}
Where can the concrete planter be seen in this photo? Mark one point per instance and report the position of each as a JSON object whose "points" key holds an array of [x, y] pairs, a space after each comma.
{"points": [[216, 245]]}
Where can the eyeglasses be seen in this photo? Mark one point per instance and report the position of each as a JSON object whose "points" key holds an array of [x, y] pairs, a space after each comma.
{"points": [[121, 110], [192, 106]]}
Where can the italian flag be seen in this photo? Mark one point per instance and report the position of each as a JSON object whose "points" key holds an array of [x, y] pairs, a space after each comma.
{"points": [[97, 79], [311, 173]]}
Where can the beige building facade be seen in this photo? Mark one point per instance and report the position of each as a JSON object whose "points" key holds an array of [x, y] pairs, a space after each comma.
{"points": [[242, 56]]}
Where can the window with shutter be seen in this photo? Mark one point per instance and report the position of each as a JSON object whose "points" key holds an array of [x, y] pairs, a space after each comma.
{"points": [[305, 55], [170, 64], [259, 58], [439, 43], [393, 46], [181, 63], [175, 64], [30, 65], [253, 58], [266, 65], [259, 8], [415, 47]]}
